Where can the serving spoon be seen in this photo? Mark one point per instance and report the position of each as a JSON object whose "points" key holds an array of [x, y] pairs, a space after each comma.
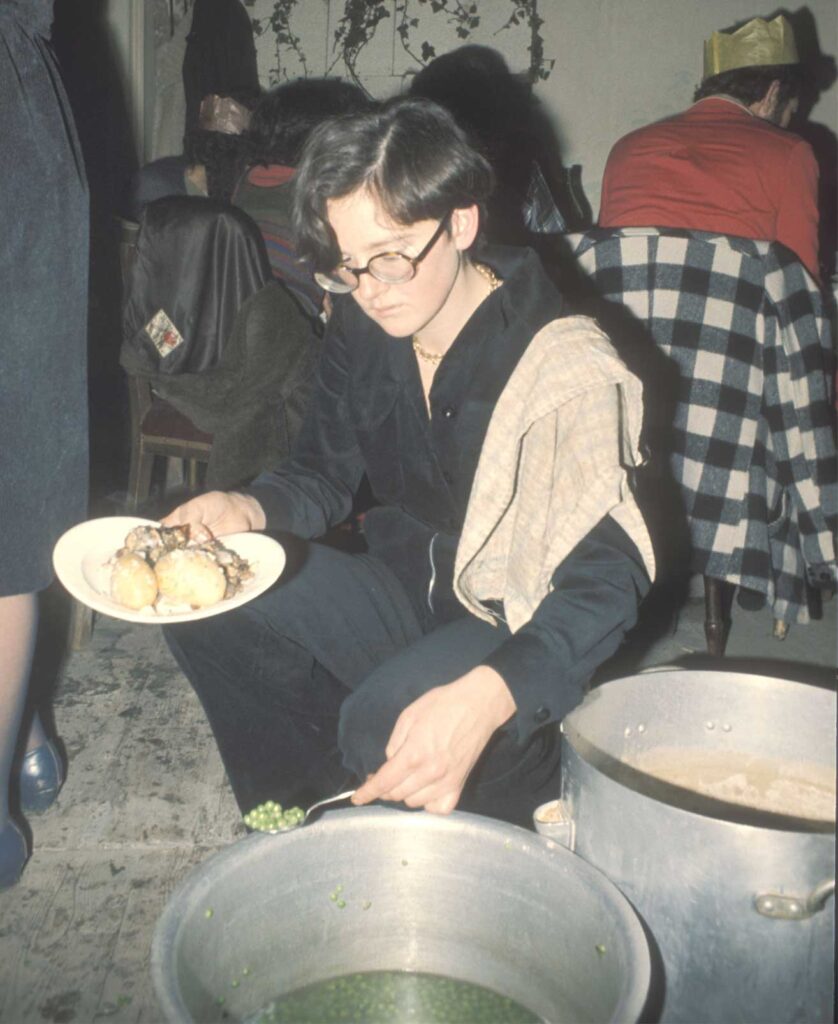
{"points": [[291, 825]]}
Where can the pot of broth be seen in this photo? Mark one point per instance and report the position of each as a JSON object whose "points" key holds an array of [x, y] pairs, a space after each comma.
{"points": [[708, 798], [377, 914]]}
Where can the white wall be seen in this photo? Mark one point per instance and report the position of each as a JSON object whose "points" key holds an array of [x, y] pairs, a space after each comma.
{"points": [[128, 25], [385, 64]]}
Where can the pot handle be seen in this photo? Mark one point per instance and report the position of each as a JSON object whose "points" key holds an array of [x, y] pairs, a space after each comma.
{"points": [[794, 908], [555, 821]]}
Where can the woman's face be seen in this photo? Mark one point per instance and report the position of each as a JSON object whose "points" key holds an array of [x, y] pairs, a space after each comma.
{"points": [[364, 230]]}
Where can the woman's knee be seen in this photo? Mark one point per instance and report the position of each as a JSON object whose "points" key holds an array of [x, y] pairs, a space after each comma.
{"points": [[364, 727]]}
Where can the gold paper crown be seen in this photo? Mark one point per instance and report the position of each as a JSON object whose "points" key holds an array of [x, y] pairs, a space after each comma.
{"points": [[758, 42]]}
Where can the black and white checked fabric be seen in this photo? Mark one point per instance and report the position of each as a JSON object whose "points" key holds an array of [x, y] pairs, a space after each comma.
{"points": [[752, 442]]}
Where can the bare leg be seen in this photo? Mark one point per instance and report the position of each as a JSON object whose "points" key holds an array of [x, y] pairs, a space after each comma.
{"points": [[18, 629]]}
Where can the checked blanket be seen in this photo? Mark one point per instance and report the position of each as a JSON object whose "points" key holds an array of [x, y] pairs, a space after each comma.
{"points": [[751, 436]]}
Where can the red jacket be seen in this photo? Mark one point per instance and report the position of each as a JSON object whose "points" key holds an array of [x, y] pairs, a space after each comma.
{"points": [[716, 167]]}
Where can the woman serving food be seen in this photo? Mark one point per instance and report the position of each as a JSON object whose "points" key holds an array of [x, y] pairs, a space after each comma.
{"points": [[506, 557]]}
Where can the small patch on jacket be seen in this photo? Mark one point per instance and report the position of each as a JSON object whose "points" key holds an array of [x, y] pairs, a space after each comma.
{"points": [[163, 334]]}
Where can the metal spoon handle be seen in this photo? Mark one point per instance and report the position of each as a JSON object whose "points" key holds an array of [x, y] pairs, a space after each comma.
{"points": [[329, 800]]}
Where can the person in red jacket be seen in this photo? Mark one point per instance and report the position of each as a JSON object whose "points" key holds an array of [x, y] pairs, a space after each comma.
{"points": [[727, 164]]}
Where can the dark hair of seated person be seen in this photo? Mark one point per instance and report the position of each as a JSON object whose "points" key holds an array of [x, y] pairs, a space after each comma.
{"points": [[749, 85], [410, 153], [223, 157], [221, 153], [285, 117], [475, 84]]}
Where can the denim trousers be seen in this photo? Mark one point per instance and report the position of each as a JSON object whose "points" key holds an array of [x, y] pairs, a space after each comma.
{"points": [[303, 685]]}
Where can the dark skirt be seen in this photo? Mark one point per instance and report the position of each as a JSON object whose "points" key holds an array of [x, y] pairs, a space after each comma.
{"points": [[43, 304]]}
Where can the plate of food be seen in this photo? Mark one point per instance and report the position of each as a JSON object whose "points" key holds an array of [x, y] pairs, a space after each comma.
{"points": [[137, 570]]}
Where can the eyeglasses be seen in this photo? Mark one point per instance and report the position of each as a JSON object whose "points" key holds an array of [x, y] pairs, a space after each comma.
{"points": [[387, 267]]}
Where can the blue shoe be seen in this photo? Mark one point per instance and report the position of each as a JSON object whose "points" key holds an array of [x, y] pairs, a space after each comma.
{"points": [[41, 777], [13, 854]]}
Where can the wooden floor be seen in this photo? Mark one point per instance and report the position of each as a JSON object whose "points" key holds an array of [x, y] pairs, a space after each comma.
{"points": [[146, 800]]}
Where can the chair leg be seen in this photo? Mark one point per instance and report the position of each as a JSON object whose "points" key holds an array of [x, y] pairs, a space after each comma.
{"points": [[192, 475], [139, 477], [717, 600], [81, 625]]}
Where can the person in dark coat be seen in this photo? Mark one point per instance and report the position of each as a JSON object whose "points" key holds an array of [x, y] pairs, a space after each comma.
{"points": [[220, 55], [43, 400]]}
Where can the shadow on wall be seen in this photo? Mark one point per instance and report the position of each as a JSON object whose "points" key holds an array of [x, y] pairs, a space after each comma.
{"points": [[85, 51], [821, 75], [503, 116]]}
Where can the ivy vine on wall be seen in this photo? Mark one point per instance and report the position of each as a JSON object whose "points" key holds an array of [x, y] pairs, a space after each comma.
{"points": [[360, 19]]}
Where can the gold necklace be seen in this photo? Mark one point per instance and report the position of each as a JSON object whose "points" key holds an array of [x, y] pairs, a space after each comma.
{"points": [[423, 353], [436, 357]]}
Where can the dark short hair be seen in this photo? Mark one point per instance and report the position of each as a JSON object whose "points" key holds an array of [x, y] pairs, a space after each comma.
{"points": [[285, 117], [749, 85], [222, 156], [411, 154]]}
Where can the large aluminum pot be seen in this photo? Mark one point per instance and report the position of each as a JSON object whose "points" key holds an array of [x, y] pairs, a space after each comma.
{"points": [[740, 903], [379, 889]]}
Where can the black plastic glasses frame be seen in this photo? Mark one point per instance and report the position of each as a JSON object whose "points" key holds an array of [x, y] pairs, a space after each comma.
{"points": [[332, 283]]}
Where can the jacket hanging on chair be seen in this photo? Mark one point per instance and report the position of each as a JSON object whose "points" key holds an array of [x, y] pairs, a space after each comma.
{"points": [[213, 334], [197, 261]]}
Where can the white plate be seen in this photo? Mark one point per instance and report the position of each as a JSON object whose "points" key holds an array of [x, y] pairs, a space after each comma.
{"points": [[82, 553]]}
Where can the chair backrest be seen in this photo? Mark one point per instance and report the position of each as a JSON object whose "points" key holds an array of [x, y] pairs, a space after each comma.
{"points": [[127, 233], [750, 436], [196, 262]]}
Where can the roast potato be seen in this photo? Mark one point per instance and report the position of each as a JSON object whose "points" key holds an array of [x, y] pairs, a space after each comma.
{"points": [[190, 576], [133, 582]]}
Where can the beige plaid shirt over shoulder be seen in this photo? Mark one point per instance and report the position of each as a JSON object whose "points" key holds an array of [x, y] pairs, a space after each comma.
{"points": [[556, 459]]}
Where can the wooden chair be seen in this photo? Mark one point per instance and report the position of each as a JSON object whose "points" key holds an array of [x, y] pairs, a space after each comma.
{"points": [[194, 260], [159, 430]]}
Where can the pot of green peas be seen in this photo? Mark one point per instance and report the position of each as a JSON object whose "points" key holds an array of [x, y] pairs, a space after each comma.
{"points": [[376, 914]]}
